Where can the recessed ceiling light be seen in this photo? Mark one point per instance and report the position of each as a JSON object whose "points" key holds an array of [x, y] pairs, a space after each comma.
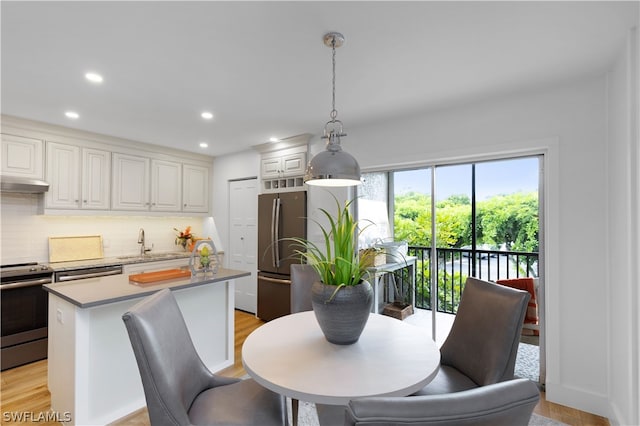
{"points": [[274, 139], [206, 115], [93, 77], [72, 114], [203, 145]]}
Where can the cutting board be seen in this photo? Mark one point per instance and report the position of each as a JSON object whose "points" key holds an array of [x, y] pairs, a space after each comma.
{"points": [[83, 247], [147, 278]]}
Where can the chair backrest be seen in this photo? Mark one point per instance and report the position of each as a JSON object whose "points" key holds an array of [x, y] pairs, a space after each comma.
{"points": [[302, 278], [172, 372], [483, 341], [507, 403]]}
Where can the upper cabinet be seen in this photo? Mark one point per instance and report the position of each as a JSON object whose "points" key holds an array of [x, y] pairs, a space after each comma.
{"points": [[145, 184], [98, 174], [131, 177], [22, 156], [284, 166], [79, 178], [166, 186], [283, 169], [195, 188]]}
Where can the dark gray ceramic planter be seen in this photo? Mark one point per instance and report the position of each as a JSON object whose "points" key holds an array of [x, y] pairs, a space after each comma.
{"points": [[342, 317]]}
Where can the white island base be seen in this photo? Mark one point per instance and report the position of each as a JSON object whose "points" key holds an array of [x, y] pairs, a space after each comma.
{"points": [[93, 375]]}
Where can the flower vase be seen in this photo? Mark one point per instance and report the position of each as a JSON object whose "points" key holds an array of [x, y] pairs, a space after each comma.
{"points": [[342, 314]]}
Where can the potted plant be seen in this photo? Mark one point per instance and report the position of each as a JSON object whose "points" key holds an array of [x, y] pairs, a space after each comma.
{"points": [[342, 298]]}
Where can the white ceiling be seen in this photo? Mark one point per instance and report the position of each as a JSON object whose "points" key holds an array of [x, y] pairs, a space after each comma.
{"points": [[263, 70]]}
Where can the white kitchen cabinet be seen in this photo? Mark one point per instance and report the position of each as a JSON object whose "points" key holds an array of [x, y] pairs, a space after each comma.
{"points": [[294, 164], [195, 188], [22, 156], [130, 182], [283, 166], [166, 186], [283, 170], [270, 168], [96, 179], [79, 178], [141, 183]]}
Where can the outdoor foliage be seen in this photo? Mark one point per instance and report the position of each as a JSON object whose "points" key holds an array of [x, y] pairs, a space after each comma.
{"points": [[507, 222], [510, 219]]}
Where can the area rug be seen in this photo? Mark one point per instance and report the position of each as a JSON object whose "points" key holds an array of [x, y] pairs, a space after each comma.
{"points": [[307, 416], [528, 362]]}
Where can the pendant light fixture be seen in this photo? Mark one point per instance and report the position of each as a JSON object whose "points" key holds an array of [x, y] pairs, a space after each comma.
{"points": [[333, 167]]}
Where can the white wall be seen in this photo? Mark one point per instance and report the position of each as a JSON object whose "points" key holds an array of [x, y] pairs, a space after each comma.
{"points": [[624, 214], [242, 165], [568, 123], [25, 233]]}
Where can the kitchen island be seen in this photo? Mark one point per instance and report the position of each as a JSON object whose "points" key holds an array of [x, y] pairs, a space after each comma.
{"points": [[93, 374]]}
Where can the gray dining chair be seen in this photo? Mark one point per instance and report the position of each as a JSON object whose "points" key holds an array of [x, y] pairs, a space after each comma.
{"points": [[508, 403], [302, 278], [178, 387], [482, 345]]}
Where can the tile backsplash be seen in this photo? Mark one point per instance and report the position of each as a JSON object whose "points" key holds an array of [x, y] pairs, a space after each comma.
{"points": [[25, 232]]}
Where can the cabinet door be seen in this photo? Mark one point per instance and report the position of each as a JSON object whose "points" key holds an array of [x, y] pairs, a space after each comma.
{"points": [[96, 179], [166, 186], [195, 188], [271, 168], [63, 174], [294, 164], [130, 182], [22, 157]]}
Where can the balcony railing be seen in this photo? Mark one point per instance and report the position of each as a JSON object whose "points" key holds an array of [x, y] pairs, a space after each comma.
{"points": [[454, 265]]}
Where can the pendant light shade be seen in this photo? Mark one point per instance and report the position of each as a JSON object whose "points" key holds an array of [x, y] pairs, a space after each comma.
{"points": [[333, 167]]}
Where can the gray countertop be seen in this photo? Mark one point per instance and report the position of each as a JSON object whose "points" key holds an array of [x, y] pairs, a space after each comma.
{"points": [[120, 260], [92, 292]]}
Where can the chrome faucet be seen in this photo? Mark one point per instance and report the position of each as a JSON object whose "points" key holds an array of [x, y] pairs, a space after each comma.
{"points": [[143, 249]]}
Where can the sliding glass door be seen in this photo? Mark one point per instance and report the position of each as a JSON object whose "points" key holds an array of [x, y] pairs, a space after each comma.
{"points": [[476, 219]]}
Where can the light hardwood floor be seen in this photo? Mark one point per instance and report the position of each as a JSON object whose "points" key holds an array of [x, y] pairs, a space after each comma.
{"points": [[24, 389]]}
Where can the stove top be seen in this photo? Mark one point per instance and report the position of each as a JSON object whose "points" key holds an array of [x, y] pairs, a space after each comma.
{"points": [[23, 271]]}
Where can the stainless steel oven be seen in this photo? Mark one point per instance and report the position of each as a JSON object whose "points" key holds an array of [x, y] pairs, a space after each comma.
{"points": [[25, 309]]}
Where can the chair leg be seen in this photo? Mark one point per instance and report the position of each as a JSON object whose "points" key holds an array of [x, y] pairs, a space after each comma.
{"points": [[294, 411]]}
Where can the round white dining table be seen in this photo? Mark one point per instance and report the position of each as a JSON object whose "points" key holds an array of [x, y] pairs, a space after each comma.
{"points": [[291, 356]]}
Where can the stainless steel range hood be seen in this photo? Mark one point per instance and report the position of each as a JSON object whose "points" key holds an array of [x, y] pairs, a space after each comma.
{"points": [[23, 185]]}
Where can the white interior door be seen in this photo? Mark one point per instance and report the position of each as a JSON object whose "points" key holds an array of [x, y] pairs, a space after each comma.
{"points": [[243, 240]]}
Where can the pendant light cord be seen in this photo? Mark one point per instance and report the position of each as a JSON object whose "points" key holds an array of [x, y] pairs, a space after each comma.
{"points": [[334, 112]]}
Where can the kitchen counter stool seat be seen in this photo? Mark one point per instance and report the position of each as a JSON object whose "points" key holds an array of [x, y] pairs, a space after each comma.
{"points": [[178, 387]]}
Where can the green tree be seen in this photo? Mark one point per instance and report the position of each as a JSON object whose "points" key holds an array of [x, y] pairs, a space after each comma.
{"points": [[511, 220], [503, 219]]}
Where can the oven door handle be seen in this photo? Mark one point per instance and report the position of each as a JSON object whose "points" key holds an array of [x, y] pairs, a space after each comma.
{"points": [[29, 283], [93, 275]]}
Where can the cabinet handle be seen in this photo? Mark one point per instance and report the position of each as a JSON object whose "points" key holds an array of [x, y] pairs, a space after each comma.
{"points": [[84, 201], [185, 205]]}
